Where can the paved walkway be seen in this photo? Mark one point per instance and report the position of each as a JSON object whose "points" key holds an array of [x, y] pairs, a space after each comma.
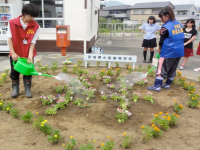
{"points": [[118, 47]]}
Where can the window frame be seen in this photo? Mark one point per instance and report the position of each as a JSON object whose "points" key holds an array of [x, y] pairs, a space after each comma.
{"points": [[52, 19]]}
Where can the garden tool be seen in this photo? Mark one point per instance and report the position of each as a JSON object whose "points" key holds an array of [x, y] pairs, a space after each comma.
{"points": [[22, 66], [157, 56]]}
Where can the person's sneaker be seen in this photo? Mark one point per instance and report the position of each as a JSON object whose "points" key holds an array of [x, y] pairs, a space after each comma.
{"points": [[181, 67], [153, 88], [149, 61], [165, 86], [144, 61]]}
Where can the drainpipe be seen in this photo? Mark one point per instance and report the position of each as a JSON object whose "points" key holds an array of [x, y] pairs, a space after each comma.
{"points": [[85, 27]]}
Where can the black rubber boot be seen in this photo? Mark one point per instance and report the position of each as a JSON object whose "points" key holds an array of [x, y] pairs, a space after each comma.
{"points": [[27, 85], [15, 87]]}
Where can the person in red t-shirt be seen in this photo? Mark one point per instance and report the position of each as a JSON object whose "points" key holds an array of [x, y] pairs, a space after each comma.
{"points": [[23, 32], [198, 53]]}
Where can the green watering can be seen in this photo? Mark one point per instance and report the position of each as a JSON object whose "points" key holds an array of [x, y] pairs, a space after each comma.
{"points": [[25, 68], [157, 56]]}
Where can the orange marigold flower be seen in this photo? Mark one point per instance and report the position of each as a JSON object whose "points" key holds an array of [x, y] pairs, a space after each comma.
{"points": [[124, 133], [192, 97], [142, 127], [158, 129], [165, 117], [160, 113], [180, 106], [108, 137], [175, 101], [177, 115], [189, 94], [156, 115], [153, 125], [111, 139], [174, 114], [192, 91], [167, 114], [102, 144]]}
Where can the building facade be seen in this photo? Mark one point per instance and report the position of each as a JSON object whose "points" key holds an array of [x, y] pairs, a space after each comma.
{"points": [[82, 16]]}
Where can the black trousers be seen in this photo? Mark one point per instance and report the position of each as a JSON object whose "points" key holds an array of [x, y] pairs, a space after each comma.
{"points": [[14, 75], [167, 67]]}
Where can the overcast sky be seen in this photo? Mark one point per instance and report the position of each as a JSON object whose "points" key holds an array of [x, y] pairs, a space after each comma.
{"points": [[175, 2]]}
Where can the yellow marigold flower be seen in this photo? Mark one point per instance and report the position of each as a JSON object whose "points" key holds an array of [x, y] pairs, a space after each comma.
{"points": [[156, 115], [0, 94], [160, 113], [1, 100], [193, 84], [46, 65], [189, 94], [71, 137], [180, 106], [192, 97], [0, 103], [42, 125], [165, 117], [158, 129], [177, 115], [102, 144], [124, 133], [167, 114], [155, 128], [152, 121], [36, 113], [94, 141], [110, 68], [8, 108], [142, 127], [198, 106], [197, 94], [192, 91], [168, 118], [55, 136], [196, 98], [64, 145], [45, 121], [184, 85], [153, 125], [175, 101], [108, 137], [199, 102]]}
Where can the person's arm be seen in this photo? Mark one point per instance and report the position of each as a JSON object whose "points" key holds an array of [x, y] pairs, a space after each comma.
{"points": [[157, 29], [192, 39], [163, 35], [12, 51], [142, 28]]}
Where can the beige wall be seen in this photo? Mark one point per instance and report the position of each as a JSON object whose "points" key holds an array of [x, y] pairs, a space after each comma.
{"points": [[148, 11], [142, 17]]}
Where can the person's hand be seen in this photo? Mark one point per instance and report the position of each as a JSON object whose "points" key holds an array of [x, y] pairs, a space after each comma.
{"points": [[185, 44], [30, 58], [144, 31], [158, 50], [14, 56]]}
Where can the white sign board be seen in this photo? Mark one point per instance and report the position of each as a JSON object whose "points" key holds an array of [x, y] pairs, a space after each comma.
{"points": [[109, 58]]}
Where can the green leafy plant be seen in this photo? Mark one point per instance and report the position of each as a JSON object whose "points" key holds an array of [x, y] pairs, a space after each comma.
{"points": [[103, 96], [135, 96], [75, 69], [127, 141], [141, 83], [115, 97], [94, 76], [45, 69], [107, 64], [41, 124], [102, 73], [71, 144], [55, 136], [59, 88], [51, 111], [109, 72], [89, 146], [109, 145], [118, 71], [38, 65], [27, 117], [117, 64], [3, 78], [148, 97], [177, 107], [130, 69], [6, 71], [98, 63], [7, 107], [79, 63], [47, 100], [106, 79], [1, 104], [150, 132], [127, 65], [14, 112], [54, 66], [64, 70]]}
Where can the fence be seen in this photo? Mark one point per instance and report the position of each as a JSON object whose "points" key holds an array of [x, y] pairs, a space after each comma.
{"points": [[123, 31]]}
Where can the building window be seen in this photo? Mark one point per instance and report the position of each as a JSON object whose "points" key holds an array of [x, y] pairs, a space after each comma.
{"points": [[143, 11], [136, 11], [193, 13], [50, 12]]}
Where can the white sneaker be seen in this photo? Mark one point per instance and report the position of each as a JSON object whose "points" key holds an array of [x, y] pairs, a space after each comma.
{"points": [[181, 67], [198, 69]]}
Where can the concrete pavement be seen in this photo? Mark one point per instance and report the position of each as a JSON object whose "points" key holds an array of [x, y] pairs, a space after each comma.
{"points": [[118, 47]]}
